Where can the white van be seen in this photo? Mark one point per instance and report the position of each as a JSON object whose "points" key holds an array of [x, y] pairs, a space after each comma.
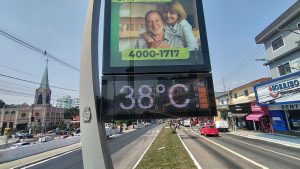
{"points": [[222, 125]]}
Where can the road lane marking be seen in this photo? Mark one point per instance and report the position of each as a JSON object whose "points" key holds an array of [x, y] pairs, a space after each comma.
{"points": [[235, 153], [191, 155], [50, 158], [263, 148], [140, 159]]}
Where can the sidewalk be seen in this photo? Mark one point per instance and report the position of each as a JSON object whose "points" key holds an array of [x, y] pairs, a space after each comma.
{"points": [[291, 141]]}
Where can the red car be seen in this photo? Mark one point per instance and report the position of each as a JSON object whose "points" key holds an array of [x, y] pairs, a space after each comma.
{"points": [[209, 129]]}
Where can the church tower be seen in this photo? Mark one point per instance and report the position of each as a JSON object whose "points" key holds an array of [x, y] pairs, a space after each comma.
{"points": [[43, 93]]}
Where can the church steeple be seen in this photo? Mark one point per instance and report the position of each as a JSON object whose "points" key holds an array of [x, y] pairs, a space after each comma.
{"points": [[43, 93], [45, 82]]}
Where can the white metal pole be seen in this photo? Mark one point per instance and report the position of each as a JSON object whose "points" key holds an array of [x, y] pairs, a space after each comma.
{"points": [[95, 151]]}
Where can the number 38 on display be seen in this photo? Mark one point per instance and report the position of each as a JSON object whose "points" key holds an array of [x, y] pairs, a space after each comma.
{"points": [[145, 92]]}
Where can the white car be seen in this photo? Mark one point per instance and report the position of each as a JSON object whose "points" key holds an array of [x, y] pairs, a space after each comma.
{"points": [[17, 145], [186, 123]]}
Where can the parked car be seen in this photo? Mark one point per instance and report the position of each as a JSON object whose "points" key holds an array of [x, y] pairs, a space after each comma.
{"points": [[23, 135], [45, 139], [17, 145], [27, 135], [108, 131], [209, 129], [19, 135], [147, 124], [61, 132]]}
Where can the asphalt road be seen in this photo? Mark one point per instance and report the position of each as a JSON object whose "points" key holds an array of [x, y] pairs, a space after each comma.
{"points": [[235, 152], [125, 149]]}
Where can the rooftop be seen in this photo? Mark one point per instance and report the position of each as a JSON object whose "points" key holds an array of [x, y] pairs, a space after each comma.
{"points": [[290, 14]]}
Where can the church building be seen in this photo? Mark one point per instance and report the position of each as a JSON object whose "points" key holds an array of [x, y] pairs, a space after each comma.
{"points": [[37, 117]]}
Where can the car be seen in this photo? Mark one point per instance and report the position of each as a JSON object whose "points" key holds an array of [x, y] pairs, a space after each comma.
{"points": [[46, 139], [64, 136], [187, 123], [17, 145], [209, 129], [27, 135], [19, 135]]}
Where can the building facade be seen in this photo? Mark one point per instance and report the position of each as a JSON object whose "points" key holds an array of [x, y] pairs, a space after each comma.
{"points": [[243, 110], [67, 102], [222, 101], [282, 43], [36, 117]]}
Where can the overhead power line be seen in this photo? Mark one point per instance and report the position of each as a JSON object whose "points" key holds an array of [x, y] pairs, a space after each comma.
{"points": [[36, 49], [30, 74], [243, 64], [26, 88], [36, 82]]}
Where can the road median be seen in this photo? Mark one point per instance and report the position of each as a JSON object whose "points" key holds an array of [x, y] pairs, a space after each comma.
{"points": [[167, 151]]}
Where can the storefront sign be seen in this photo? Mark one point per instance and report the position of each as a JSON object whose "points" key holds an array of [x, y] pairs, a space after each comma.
{"points": [[142, 37], [279, 91], [240, 108], [285, 107], [157, 96]]}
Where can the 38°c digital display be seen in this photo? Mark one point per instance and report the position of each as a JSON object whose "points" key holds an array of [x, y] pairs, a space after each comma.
{"points": [[157, 96]]}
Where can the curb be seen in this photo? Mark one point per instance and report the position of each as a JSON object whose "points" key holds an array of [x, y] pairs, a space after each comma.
{"points": [[285, 143]]}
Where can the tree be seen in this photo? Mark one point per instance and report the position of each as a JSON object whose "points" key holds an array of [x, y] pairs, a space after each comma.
{"points": [[2, 103], [69, 113]]}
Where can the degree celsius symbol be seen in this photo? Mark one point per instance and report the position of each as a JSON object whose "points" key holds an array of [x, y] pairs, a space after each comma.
{"points": [[142, 94]]}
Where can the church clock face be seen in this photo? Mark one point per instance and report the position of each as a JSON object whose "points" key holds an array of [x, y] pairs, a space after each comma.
{"points": [[37, 114]]}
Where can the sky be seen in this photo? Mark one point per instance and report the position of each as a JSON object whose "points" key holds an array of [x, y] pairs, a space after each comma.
{"points": [[57, 27]]}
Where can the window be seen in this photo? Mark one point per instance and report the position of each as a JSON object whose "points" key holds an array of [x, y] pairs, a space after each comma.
{"points": [[235, 95], [246, 93], [222, 102], [277, 43], [298, 26], [284, 69]]}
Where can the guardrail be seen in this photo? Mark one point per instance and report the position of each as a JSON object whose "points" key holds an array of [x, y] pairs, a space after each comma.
{"points": [[21, 152]]}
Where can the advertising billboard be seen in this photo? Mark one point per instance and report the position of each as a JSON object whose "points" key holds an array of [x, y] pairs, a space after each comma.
{"points": [[157, 96], [152, 36], [282, 90]]}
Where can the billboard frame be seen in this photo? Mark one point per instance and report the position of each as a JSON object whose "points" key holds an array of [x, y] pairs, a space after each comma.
{"points": [[109, 70]]}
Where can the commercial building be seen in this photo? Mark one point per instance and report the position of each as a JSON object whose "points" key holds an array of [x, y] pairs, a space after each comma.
{"points": [[37, 117], [67, 102], [281, 94], [243, 110], [222, 101]]}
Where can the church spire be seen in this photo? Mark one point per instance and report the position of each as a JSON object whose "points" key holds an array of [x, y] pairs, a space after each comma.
{"points": [[43, 93], [45, 82]]}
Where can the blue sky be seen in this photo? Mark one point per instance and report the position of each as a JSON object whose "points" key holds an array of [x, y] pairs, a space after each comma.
{"points": [[57, 27]]}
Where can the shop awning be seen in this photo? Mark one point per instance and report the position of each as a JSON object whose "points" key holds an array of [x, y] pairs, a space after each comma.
{"points": [[254, 117]]}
